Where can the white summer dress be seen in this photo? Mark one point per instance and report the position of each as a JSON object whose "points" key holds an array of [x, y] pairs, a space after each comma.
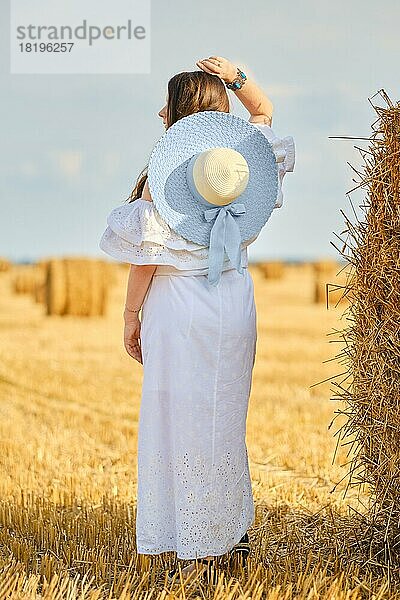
{"points": [[194, 493]]}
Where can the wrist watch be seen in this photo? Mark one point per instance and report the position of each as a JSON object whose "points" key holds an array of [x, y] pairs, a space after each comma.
{"points": [[238, 82]]}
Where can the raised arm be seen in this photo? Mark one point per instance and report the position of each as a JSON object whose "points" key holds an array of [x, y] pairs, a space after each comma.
{"points": [[250, 95]]}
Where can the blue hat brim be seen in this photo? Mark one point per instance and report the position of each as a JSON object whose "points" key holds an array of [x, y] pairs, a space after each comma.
{"points": [[195, 133]]}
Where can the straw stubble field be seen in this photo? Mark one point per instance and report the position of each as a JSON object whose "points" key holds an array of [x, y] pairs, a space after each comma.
{"points": [[70, 398]]}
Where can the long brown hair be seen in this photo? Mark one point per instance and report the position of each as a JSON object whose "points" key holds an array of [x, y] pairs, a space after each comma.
{"points": [[188, 92]]}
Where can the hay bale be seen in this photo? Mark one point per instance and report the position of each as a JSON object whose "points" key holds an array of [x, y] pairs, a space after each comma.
{"points": [[101, 276], [370, 391], [25, 279], [330, 286], [328, 293], [111, 271], [5, 264], [95, 288], [39, 290], [56, 287], [273, 269], [319, 291], [256, 270], [325, 267], [77, 286], [305, 268], [43, 264], [39, 293]]}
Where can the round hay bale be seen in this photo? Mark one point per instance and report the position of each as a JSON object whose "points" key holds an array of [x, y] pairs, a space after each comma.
{"points": [[273, 269], [43, 263], [40, 292], [325, 267], [328, 292], [369, 386], [5, 264], [77, 286], [25, 279], [56, 287], [100, 277], [111, 271], [256, 273], [304, 268], [18, 283]]}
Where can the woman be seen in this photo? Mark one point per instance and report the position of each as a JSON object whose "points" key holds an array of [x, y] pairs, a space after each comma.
{"points": [[197, 346]]}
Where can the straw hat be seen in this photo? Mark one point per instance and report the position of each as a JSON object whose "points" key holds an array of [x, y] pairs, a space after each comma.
{"points": [[213, 178]]}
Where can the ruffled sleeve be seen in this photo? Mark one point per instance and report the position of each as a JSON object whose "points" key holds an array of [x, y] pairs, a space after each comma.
{"points": [[285, 153], [137, 234]]}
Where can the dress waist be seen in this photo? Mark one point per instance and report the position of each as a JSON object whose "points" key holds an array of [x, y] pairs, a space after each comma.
{"points": [[170, 270]]}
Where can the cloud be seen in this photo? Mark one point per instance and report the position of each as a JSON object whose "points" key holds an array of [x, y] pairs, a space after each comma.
{"points": [[68, 162]]}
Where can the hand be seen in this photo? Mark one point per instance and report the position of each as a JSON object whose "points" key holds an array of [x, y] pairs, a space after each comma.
{"points": [[132, 338], [216, 65]]}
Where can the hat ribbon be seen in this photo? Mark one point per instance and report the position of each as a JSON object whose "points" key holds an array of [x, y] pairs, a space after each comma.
{"points": [[225, 234]]}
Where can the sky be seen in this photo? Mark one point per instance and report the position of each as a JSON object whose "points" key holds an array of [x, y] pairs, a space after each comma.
{"points": [[72, 146]]}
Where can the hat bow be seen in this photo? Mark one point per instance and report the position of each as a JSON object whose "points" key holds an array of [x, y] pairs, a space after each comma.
{"points": [[224, 235]]}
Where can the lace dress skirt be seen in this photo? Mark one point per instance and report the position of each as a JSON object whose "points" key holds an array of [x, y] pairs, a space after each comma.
{"points": [[198, 344]]}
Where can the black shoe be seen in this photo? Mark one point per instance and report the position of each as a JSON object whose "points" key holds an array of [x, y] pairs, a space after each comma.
{"points": [[241, 550], [210, 575]]}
